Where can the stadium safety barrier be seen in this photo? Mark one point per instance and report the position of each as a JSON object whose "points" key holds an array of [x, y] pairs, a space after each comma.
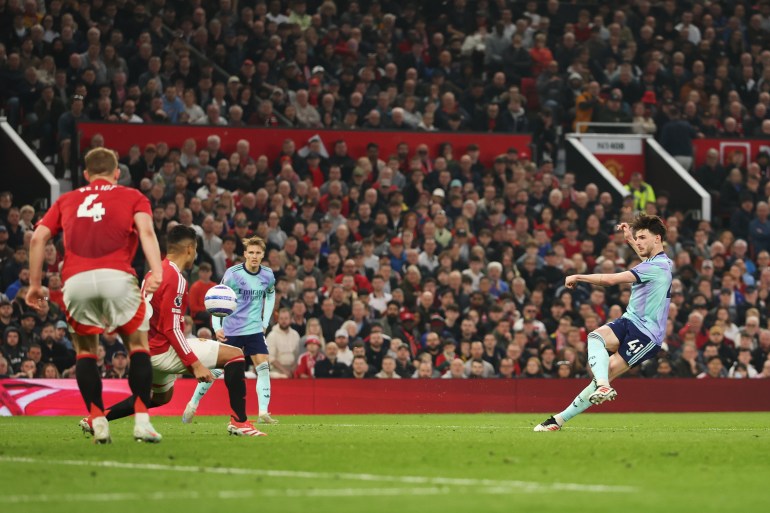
{"points": [[268, 141], [345, 396]]}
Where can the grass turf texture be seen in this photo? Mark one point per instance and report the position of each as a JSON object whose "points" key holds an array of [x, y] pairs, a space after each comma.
{"points": [[484, 463]]}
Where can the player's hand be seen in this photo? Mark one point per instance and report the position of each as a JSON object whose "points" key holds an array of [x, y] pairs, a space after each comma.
{"points": [[153, 281], [571, 281], [201, 373], [221, 335], [36, 295], [626, 229]]}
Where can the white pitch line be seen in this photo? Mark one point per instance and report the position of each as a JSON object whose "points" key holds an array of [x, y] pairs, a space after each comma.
{"points": [[526, 428], [529, 486], [253, 494]]}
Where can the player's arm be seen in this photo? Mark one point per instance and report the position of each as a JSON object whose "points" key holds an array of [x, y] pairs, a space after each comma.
{"points": [[171, 323], [629, 236], [36, 293], [149, 241], [267, 310], [602, 280]]}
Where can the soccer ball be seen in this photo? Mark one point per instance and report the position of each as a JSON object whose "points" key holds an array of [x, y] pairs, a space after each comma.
{"points": [[220, 301]]}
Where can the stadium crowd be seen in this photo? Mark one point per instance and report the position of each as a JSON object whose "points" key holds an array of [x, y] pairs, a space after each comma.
{"points": [[423, 263]]}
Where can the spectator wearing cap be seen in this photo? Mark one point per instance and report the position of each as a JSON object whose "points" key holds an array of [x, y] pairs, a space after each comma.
{"points": [[118, 365], [28, 329], [6, 314], [342, 341], [61, 335], [308, 359], [612, 112]]}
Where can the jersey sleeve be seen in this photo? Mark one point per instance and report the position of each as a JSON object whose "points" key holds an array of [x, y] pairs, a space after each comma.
{"points": [[171, 318], [142, 204], [645, 272], [52, 218], [267, 312]]}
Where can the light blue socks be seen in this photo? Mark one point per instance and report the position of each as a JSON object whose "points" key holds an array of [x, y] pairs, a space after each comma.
{"points": [[263, 387], [202, 388], [577, 406], [598, 359]]}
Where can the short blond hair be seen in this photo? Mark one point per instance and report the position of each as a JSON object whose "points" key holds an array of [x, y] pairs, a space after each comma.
{"points": [[101, 161], [254, 241]]}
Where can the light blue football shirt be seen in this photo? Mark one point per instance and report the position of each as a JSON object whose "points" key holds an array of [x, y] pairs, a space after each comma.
{"points": [[252, 290], [651, 296]]}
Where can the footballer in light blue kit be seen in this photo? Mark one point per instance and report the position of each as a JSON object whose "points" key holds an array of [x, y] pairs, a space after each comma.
{"points": [[254, 286], [638, 334]]}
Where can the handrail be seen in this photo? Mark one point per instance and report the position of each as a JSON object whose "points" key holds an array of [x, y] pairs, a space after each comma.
{"points": [[582, 124]]}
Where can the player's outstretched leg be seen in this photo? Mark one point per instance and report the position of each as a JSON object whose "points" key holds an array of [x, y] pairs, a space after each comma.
{"points": [[263, 393], [200, 391], [90, 385], [578, 405]]}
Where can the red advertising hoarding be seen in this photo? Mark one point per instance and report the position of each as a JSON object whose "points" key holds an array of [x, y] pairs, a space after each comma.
{"points": [[268, 141], [405, 396], [726, 147]]}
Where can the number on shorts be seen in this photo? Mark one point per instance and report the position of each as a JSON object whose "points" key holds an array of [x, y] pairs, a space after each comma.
{"points": [[90, 209], [635, 346]]}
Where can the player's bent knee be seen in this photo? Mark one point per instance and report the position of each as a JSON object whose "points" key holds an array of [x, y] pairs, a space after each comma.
{"points": [[227, 353]]}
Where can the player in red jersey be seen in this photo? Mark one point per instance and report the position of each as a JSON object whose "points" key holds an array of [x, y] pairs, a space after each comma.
{"points": [[173, 354], [102, 224]]}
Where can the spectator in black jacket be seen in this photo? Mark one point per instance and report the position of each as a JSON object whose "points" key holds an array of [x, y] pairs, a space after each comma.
{"points": [[330, 367]]}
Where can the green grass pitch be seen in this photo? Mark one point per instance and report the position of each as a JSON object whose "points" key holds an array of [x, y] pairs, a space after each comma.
{"points": [[420, 463]]}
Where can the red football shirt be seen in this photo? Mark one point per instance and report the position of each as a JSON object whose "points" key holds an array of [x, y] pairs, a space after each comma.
{"points": [[98, 225], [169, 304]]}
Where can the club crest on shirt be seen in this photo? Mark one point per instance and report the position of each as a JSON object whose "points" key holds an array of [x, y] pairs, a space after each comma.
{"points": [[178, 301]]}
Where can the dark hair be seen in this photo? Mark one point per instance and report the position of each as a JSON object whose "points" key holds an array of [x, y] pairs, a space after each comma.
{"points": [[178, 234], [653, 224]]}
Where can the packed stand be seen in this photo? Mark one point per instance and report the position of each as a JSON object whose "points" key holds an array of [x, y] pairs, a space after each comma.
{"points": [[415, 264], [485, 66], [466, 282]]}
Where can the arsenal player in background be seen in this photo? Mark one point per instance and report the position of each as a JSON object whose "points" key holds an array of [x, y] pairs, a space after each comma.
{"points": [[101, 224]]}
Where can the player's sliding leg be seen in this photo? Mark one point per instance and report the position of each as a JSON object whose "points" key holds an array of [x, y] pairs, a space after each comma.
{"points": [[263, 388], [581, 403], [140, 381], [228, 360], [234, 363], [200, 391], [90, 385]]}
